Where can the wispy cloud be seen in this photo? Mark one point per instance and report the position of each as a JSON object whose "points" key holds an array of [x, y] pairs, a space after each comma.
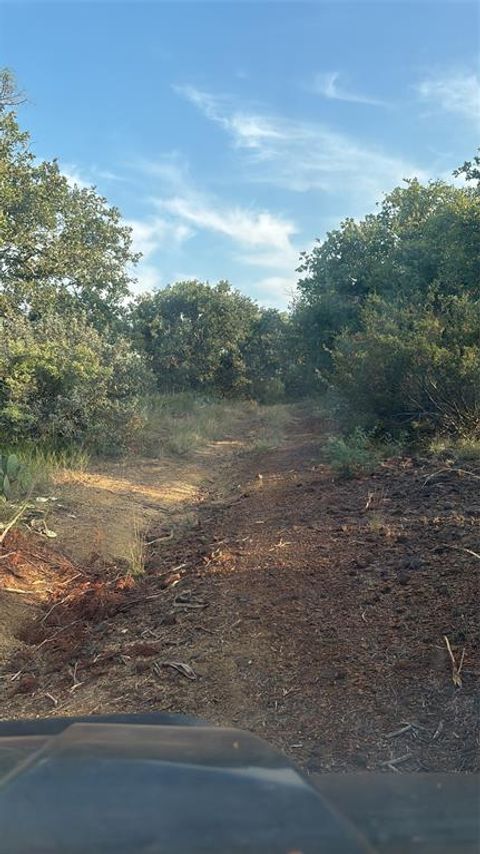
{"points": [[152, 234], [108, 175], [147, 278], [257, 238], [252, 229], [276, 290], [170, 168], [87, 177], [328, 84], [302, 155], [73, 176], [455, 92], [254, 237]]}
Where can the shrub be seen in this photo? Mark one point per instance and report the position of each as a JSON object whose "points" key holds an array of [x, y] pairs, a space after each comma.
{"points": [[414, 368], [63, 383], [352, 455]]}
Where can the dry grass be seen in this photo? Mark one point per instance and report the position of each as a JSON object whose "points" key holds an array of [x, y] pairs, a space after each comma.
{"points": [[272, 422], [463, 448], [138, 549], [107, 506], [180, 424]]}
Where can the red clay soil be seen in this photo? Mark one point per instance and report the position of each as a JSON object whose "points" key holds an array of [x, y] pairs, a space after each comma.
{"points": [[310, 610]]}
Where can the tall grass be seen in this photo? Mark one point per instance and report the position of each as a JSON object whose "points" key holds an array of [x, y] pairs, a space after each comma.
{"points": [[463, 448], [137, 550], [177, 424], [272, 422], [42, 465]]}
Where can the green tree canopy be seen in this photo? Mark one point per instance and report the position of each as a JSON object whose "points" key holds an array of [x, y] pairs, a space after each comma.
{"points": [[58, 244], [421, 244], [209, 337]]}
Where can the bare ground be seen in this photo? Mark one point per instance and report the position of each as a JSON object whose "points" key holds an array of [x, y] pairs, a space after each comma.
{"points": [[310, 610]]}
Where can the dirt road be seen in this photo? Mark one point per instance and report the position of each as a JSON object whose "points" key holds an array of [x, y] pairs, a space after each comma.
{"points": [[310, 610]]}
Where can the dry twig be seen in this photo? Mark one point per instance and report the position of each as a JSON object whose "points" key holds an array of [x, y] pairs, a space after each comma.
{"points": [[400, 731], [393, 762], [449, 469], [456, 668], [179, 666], [13, 521]]}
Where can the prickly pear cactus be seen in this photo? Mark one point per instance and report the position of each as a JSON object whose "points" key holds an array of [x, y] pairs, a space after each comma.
{"points": [[10, 468]]}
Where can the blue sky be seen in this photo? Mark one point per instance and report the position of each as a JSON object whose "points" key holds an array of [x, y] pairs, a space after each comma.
{"points": [[232, 134]]}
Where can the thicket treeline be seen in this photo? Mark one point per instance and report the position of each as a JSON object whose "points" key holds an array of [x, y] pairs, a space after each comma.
{"points": [[387, 314], [388, 309]]}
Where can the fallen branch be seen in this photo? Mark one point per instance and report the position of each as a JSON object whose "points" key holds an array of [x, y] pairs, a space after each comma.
{"points": [[449, 469], [52, 637], [16, 590], [400, 731], [160, 539], [61, 602], [13, 521]]}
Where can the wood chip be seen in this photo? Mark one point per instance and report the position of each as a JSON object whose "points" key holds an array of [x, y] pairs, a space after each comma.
{"points": [[179, 666]]}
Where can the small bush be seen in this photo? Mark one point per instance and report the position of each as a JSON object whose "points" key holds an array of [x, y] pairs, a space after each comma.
{"points": [[353, 455], [64, 384], [414, 369]]}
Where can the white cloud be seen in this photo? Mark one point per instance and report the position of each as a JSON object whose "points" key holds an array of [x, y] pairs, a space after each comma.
{"points": [[74, 179], [276, 290], [81, 178], [170, 168], [302, 155], [147, 278], [150, 235], [264, 239], [251, 228], [457, 92], [108, 175], [258, 238], [328, 85]]}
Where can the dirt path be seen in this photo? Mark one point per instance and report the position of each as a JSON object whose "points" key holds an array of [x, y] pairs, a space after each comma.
{"points": [[309, 610]]}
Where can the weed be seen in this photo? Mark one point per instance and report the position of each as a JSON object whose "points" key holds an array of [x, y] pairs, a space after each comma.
{"points": [[137, 551], [353, 455]]}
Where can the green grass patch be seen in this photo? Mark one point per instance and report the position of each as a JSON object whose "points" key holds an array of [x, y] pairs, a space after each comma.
{"points": [[359, 453]]}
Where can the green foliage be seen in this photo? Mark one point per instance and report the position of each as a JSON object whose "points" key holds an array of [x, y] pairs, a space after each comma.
{"points": [[63, 383], [386, 319], [58, 244], [388, 310], [414, 368], [265, 354], [353, 455], [420, 246], [210, 339]]}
